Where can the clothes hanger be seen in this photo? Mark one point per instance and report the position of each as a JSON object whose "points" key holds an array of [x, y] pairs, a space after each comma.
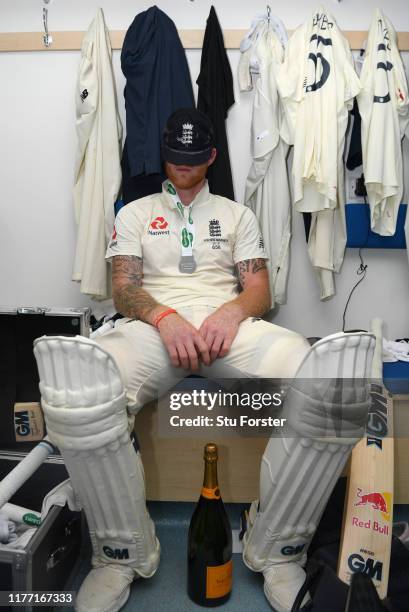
{"points": [[47, 38]]}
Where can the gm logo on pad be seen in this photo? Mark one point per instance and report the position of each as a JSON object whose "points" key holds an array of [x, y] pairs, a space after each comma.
{"points": [[292, 550], [116, 553]]}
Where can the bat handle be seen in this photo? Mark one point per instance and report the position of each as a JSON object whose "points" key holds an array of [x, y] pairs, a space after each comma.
{"points": [[24, 469], [377, 361]]}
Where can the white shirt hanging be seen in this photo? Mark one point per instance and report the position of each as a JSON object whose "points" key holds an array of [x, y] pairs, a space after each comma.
{"points": [[267, 187], [384, 109], [98, 170], [317, 83]]}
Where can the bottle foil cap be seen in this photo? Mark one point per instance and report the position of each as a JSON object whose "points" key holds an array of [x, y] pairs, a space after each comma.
{"points": [[210, 452]]}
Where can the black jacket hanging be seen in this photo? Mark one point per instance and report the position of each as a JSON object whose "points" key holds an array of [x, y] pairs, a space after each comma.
{"points": [[215, 97], [354, 158], [157, 83]]}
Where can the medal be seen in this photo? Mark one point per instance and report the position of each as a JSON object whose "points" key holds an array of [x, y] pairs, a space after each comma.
{"points": [[187, 264]]}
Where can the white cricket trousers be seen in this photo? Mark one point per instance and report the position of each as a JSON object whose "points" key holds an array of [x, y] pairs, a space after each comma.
{"points": [[260, 350]]}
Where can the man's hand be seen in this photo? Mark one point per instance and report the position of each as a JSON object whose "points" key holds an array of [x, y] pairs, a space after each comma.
{"points": [[183, 342], [220, 328]]}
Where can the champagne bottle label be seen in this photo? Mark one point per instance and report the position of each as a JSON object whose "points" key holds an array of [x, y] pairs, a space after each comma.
{"points": [[213, 493], [219, 580]]}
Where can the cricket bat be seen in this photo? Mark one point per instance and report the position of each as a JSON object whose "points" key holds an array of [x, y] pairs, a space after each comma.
{"points": [[28, 422], [366, 536]]}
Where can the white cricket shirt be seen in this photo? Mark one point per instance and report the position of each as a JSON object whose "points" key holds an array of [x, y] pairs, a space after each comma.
{"points": [[384, 109], [267, 187], [317, 83], [225, 233], [98, 160]]}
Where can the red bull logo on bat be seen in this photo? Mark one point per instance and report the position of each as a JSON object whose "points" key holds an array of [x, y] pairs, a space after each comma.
{"points": [[377, 501], [378, 527]]}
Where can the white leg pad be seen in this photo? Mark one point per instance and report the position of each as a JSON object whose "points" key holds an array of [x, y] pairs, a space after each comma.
{"points": [[298, 473], [85, 411]]}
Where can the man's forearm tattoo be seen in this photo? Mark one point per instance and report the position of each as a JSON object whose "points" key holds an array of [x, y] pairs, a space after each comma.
{"points": [[128, 266], [129, 297], [258, 264], [249, 266]]}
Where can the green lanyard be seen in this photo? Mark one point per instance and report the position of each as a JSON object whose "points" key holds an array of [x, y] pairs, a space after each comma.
{"points": [[187, 262]]}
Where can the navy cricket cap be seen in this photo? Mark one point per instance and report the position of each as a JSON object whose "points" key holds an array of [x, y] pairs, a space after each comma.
{"points": [[188, 138]]}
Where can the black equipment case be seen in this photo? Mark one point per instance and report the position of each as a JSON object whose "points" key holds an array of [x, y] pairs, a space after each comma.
{"points": [[19, 327], [52, 556]]}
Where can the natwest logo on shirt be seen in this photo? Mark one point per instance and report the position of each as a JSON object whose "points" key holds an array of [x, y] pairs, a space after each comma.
{"points": [[159, 223], [158, 227]]}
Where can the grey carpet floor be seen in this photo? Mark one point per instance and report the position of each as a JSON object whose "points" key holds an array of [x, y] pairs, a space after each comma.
{"points": [[166, 590]]}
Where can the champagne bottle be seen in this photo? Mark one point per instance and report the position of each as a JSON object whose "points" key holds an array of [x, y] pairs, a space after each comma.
{"points": [[210, 541]]}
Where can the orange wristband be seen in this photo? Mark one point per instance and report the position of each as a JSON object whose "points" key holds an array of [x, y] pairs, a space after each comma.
{"points": [[162, 315]]}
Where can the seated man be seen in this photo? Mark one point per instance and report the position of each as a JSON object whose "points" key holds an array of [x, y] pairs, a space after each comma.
{"points": [[189, 275]]}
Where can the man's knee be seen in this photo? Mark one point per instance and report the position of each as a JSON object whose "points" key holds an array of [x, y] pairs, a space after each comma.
{"points": [[281, 353]]}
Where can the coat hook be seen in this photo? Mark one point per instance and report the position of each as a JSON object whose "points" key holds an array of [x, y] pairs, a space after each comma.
{"points": [[268, 13], [47, 38]]}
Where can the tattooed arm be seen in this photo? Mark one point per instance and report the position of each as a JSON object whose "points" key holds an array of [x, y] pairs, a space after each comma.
{"points": [[221, 327], [129, 297], [255, 299], [183, 342]]}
